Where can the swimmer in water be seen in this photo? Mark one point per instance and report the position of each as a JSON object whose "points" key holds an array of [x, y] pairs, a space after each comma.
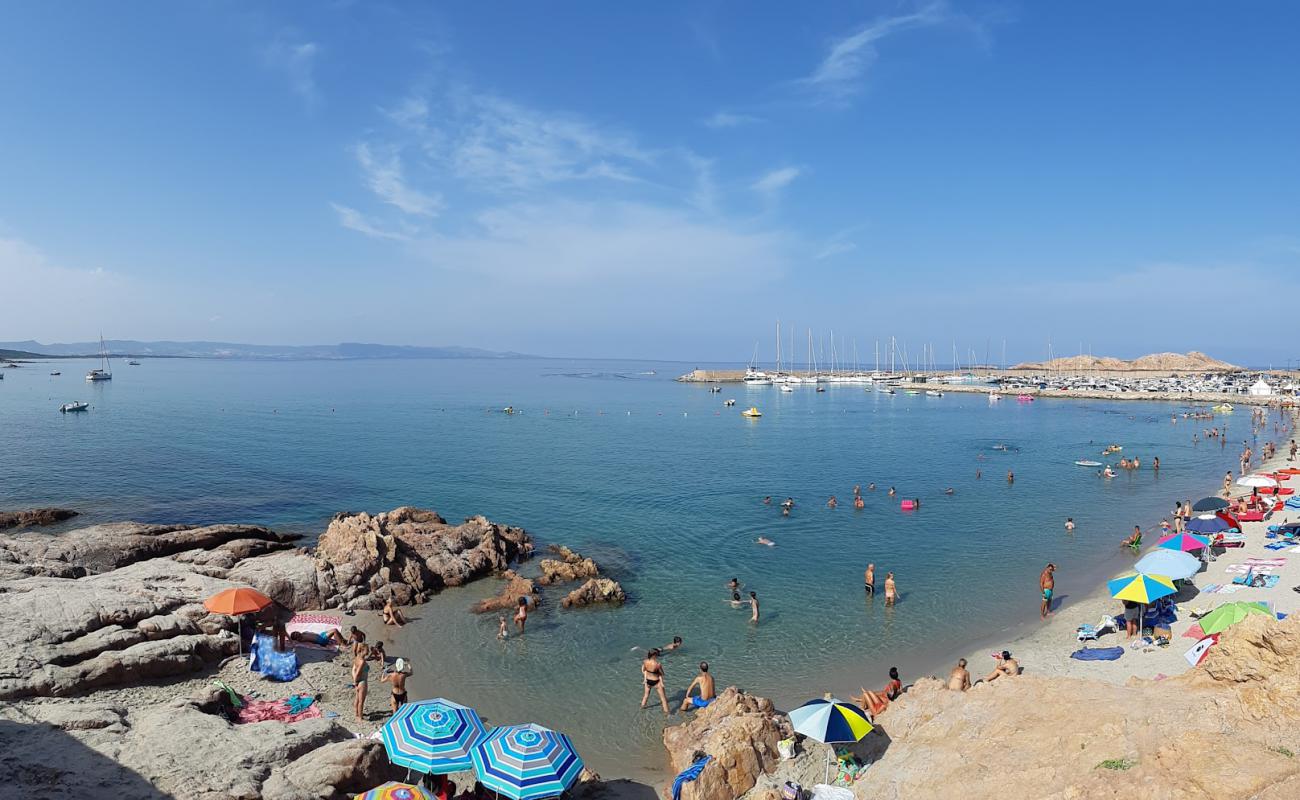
{"points": [[892, 491], [766, 541], [949, 490], [978, 474], [735, 600], [785, 511], [857, 502], [832, 503], [767, 501], [871, 487], [1011, 477], [733, 585]]}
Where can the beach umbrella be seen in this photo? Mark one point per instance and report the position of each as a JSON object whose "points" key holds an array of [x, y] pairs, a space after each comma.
{"points": [[1208, 523], [1184, 542], [829, 722], [1210, 504], [395, 791], [432, 736], [1257, 481], [237, 602], [1174, 563], [526, 762], [1229, 614], [1141, 588]]}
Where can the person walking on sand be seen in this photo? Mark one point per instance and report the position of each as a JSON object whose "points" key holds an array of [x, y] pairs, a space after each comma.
{"points": [[1227, 483], [1047, 582], [704, 681], [959, 678], [753, 606], [891, 589], [521, 616], [360, 678], [869, 579], [652, 675]]}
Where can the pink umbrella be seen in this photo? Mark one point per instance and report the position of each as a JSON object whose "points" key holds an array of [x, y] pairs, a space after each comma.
{"points": [[1185, 542]]}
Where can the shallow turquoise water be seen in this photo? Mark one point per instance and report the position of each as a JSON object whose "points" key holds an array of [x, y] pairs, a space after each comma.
{"points": [[654, 479]]}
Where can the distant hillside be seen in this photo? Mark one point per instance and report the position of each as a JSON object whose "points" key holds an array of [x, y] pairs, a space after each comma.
{"points": [[6, 355], [1156, 362], [346, 350]]}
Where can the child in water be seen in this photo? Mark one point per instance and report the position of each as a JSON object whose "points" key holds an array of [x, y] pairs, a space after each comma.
{"points": [[501, 627]]}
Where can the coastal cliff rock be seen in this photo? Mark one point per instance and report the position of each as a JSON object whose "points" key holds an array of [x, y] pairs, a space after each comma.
{"points": [[410, 553], [337, 771], [1081, 739], [508, 598], [740, 732], [568, 567], [34, 516], [596, 590]]}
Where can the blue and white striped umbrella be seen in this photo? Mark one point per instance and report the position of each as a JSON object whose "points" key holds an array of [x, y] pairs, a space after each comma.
{"points": [[526, 762], [433, 736]]}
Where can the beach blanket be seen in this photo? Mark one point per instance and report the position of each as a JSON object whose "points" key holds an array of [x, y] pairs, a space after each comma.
{"points": [[1242, 569], [1278, 545], [293, 709], [1098, 653], [687, 775], [314, 623], [264, 659], [1258, 581]]}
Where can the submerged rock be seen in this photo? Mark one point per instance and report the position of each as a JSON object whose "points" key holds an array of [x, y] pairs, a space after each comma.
{"points": [[567, 568], [34, 516]]}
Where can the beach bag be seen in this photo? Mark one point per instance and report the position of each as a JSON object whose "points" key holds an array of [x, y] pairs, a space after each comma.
{"points": [[786, 748], [792, 791]]}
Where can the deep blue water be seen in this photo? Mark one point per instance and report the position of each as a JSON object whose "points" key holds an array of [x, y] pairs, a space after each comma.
{"points": [[654, 479]]}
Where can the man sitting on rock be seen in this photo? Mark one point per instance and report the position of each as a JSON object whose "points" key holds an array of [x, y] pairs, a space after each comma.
{"points": [[704, 681]]}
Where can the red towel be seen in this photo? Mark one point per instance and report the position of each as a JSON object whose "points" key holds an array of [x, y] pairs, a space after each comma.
{"points": [[278, 710]]}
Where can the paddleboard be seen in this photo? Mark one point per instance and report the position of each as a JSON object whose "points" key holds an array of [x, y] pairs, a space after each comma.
{"points": [[1087, 463]]}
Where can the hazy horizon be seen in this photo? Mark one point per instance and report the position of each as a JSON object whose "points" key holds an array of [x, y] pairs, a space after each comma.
{"points": [[595, 181]]}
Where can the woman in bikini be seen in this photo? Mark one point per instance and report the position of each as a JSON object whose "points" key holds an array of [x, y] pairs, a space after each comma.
{"points": [[875, 702], [652, 675], [360, 676]]}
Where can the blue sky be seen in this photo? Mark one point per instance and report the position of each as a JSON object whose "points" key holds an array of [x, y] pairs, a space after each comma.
{"points": [[655, 179]]}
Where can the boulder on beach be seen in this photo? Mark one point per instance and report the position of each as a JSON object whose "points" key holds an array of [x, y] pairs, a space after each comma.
{"points": [[596, 590], [740, 731]]}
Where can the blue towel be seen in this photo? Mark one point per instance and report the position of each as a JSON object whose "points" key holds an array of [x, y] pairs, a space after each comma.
{"points": [[264, 659], [1098, 653], [687, 775]]}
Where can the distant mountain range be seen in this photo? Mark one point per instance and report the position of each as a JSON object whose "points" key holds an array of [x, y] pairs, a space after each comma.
{"points": [[346, 350], [1156, 362]]}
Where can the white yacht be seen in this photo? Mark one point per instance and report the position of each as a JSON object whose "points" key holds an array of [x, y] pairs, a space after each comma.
{"points": [[103, 373]]}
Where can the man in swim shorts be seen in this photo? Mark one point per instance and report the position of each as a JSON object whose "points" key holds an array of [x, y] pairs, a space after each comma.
{"points": [[1047, 582], [705, 683], [869, 579]]}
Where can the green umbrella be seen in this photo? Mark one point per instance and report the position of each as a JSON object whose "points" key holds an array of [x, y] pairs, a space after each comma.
{"points": [[1229, 614]]}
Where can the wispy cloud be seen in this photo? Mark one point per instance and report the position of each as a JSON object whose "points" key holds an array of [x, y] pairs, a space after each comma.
{"points": [[771, 183], [354, 220], [729, 119], [704, 194], [297, 60], [384, 176], [840, 74]]}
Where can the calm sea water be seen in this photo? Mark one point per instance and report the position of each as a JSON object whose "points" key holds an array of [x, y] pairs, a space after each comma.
{"points": [[654, 479]]}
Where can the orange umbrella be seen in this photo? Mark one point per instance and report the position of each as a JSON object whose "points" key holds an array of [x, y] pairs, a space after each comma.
{"points": [[237, 601]]}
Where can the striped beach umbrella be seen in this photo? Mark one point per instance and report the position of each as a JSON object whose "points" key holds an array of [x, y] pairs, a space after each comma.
{"points": [[1141, 588], [432, 736], [395, 791], [526, 762], [1186, 542], [830, 721]]}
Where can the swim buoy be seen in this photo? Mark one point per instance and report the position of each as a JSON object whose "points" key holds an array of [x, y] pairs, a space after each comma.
{"points": [[907, 505]]}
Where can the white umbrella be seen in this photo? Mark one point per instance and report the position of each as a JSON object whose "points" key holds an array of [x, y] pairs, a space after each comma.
{"points": [[1257, 481], [1176, 564]]}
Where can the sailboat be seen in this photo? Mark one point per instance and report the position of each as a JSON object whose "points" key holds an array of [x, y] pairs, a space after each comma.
{"points": [[753, 375], [103, 373]]}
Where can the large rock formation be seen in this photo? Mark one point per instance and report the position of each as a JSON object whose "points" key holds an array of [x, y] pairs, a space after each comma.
{"points": [[508, 598], [34, 516], [1224, 729], [1155, 362], [410, 553], [740, 732], [596, 590]]}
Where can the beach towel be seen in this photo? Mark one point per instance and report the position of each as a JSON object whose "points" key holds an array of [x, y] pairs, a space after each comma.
{"points": [[687, 775], [1244, 568], [1257, 581], [1278, 545], [314, 623], [1098, 653], [277, 711], [271, 664]]}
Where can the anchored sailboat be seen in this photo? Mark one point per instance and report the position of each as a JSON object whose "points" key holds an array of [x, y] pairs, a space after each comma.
{"points": [[103, 373]]}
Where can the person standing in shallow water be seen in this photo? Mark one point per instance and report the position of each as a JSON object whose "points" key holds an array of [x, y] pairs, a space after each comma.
{"points": [[652, 675], [521, 616], [753, 605], [891, 590], [869, 580]]}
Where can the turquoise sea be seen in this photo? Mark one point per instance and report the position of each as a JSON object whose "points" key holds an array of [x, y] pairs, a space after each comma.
{"points": [[657, 481]]}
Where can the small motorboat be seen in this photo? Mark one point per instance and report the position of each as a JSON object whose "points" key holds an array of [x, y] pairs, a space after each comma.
{"points": [[1222, 408], [994, 397], [933, 393], [1087, 463], [56, 372], [728, 403], [66, 407], [1024, 398], [912, 391], [715, 390], [751, 412], [821, 388], [133, 363], [785, 387]]}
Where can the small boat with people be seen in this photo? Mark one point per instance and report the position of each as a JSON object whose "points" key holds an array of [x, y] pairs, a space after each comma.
{"points": [[73, 406], [728, 402]]}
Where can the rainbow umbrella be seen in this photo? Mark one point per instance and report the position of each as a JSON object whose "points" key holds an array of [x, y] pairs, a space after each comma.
{"points": [[1141, 588], [830, 721], [1229, 614], [432, 736], [526, 762], [1184, 542], [395, 791]]}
